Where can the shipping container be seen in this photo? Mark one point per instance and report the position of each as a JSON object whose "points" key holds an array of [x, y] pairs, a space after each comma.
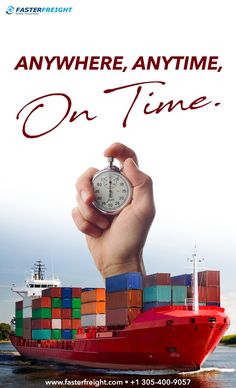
{"points": [[215, 304], [76, 292], [27, 312], [76, 303], [66, 303], [75, 323], [149, 305], [27, 323], [66, 324], [56, 303], [19, 305], [93, 308], [124, 299], [44, 301], [43, 323], [182, 280], [178, 293], [27, 301], [56, 323], [74, 332], [201, 293], [121, 317], [19, 332], [123, 282], [56, 334], [66, 313], [156, 279], [19, 323], [66, 292], [56, 313], [76, 313], [96, 295], [27, 333], [41, 334], [93, 320], [209, 278], [54, 292], [157, 294], [19, 314], [213, 294], [42, 313], [66, 334]]}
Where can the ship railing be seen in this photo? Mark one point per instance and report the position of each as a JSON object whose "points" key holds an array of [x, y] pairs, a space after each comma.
{"points": [[188, 301]]}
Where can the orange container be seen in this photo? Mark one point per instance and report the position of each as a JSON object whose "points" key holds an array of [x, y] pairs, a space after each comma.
{"points": [[75, 323], [123, 299], [93, 308], [44, 301], [66, 324], [56, 313], [96, 295]]}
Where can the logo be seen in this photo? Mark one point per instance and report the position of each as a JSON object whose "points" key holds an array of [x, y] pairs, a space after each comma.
{"points": [[10, 10], [36, 10]]}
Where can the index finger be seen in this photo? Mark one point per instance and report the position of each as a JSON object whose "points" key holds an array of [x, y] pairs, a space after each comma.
{"points": [[121, 152]]}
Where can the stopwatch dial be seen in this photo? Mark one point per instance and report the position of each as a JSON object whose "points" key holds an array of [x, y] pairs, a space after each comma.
{"points": [[112, 191]]}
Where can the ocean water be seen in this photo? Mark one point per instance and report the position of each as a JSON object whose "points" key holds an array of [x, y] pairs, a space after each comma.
{"points": [[219, 371]]}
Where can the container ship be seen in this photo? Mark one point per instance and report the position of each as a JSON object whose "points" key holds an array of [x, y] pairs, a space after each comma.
{"points": [[153, 322]]}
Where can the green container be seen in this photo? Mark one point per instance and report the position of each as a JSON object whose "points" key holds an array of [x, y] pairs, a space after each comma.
{"points": [[74, 331], [157, 294], [41, 334], [179, 293], [56, 334], [56, 303], [19, 323], [76, 313], [76, 303], [19, 332], [19, 314], [44, 312]]}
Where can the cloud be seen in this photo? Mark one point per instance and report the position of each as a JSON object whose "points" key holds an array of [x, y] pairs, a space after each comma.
{"points": [[228, 301]]}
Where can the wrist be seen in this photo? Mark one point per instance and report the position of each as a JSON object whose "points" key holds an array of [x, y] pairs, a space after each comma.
{"points": [[132, 265]]}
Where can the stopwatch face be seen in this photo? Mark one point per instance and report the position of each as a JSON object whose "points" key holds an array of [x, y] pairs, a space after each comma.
{"points": [[112, 191]]}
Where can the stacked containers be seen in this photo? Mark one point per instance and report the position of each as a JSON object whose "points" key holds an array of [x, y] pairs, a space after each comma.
{"points": [[124, 298], [93, 307], [19, 318], [41, 318], [156, 291], [211, 281], [55, 294]]}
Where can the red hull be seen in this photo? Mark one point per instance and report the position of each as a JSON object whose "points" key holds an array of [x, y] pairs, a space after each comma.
{"points": [[161, 338]]}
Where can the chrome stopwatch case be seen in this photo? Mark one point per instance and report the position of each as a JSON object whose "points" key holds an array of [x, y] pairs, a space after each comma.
{"points": [[112, 190]]}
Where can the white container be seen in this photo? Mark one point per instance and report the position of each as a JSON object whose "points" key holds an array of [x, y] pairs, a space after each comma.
{"points": [[56, 323], [27, 312], [93, 320]]}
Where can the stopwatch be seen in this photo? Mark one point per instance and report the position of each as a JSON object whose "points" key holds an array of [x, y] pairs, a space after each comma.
{"points": [[113, 191]]}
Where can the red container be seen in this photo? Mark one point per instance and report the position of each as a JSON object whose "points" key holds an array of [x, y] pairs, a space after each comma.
{"points": [[75, 323], [53, 292], [19, 305], [56, 313], [157, 279], [209, 278], [121, 317], [27, 323], [66, 324], [43, 323], [213, 294], [201, 293], [44, 301], [66, 313], [124, 299], [76, 292], [27, 333]]}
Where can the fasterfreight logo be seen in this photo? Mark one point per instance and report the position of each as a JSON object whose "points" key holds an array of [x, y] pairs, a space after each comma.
{"points": [[36, 10]]}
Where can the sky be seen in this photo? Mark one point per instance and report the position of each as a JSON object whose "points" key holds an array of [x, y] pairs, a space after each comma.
{"points": [[190, 155]]}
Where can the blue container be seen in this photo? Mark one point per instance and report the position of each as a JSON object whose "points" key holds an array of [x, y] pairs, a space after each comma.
{"points": [[66, 292], [123, 282], [212, 304], [182, 280], [66, 303], [157, 294], [149, 305], [66, 334]]}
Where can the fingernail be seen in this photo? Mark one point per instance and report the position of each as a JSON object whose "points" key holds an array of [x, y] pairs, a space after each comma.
{"points": [[84, 195]]}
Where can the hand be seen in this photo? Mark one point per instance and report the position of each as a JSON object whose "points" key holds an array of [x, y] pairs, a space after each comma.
{"points": [[116, 243]]}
